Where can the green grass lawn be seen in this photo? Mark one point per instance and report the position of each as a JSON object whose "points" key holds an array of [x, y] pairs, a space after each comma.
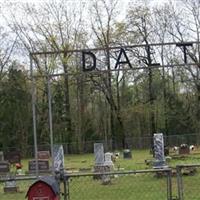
{"points": [[133, 187]]}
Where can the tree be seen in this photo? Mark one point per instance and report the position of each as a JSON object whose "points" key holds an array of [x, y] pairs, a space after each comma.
{"points": [[15, 115], [184, 29], [139, 22], [103, 19], [54, 26]]}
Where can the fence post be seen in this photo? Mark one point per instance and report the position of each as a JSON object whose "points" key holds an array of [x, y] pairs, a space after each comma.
{"points": [[179, 182], [169, 184], [65, 180]]}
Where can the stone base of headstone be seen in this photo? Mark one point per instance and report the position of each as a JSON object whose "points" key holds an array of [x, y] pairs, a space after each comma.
{"points": [[101, 170], [157, 164], [10, 187], [106, 180]]}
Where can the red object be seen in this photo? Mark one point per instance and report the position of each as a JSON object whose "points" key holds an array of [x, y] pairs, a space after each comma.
{"points": [[18, 166], [44, 190]]}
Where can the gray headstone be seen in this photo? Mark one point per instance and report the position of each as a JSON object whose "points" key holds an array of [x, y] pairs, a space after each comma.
{"points": [[43, 165], [99, 154], [4, 167], [1, 156], [58, 154], [159, 150], [127, 154]]}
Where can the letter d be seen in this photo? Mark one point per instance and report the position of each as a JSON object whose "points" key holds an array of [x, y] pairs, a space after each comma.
{"points": [[90, 66]]}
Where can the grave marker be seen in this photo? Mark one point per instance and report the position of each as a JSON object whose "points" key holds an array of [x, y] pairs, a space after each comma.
{"points": [[108, 159], [159, 150], [99, 160], [43, 155], [99, 154], [184, 149], [127, 154], [4, 167], [43, 166], [58, 154], [108, 166]]}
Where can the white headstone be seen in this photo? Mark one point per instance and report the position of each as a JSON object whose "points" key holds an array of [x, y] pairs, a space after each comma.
{"points": [[99, 154], [108, 159], [58, 154]]}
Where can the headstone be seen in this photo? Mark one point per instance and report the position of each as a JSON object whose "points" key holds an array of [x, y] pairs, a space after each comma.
{"points": [[159, 150], [58, 155], [184, 149], [1, 156], [4, 167], [99, 154], [127, 154], [43, 155], [43, 165], [99, 166], [13, 157], [108, 159], [108, 167], [10, 186]]}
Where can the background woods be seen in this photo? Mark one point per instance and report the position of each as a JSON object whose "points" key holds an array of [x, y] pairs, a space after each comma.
{"points": [[111, 106]]}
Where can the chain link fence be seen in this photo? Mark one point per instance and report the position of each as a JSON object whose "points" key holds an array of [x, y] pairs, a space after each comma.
{"points": [[135, 185], [179, 183], [131, 143], [188, 181]]}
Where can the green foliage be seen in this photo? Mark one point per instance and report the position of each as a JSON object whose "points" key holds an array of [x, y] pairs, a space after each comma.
{"points": [[15, 110]]}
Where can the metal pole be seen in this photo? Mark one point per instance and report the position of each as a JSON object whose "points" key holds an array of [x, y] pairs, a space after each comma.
{"points": [[179, 182], [65, 189], [113, 48], [50, 121], [169, 185], [33, 91]]}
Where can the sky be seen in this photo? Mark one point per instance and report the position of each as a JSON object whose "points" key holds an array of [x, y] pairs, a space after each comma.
{"points": [[123, 5]]}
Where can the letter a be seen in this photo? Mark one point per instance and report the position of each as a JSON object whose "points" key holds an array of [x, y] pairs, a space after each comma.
{"points": [[122, 51]]}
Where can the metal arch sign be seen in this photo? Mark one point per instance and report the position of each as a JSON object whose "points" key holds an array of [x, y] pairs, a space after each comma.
{"points": [[131, 56], [123, 59]]}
